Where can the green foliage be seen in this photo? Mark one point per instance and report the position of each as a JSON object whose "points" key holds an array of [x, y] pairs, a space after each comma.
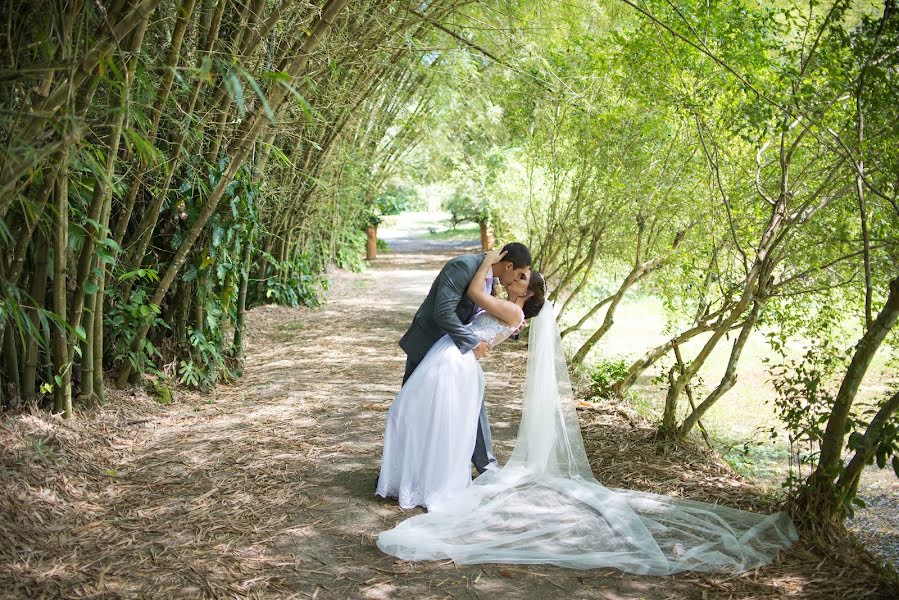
{"points": [[604, 374], [805, 390], [806, 386], [463, 207], [205, 364], [351, 250], [399, 198], [291, 283], [127, 315]]}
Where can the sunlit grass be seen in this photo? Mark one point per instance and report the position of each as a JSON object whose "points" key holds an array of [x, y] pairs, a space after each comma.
{"points": [[463, 231]]}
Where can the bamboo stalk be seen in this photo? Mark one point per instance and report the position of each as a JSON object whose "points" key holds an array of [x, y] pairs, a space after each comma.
{"points": [[239, 151], [38, 293], [10, 173], [62, 367]]}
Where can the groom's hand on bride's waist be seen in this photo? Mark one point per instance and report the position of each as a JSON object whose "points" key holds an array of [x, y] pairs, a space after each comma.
{"points": [[480, 351]]}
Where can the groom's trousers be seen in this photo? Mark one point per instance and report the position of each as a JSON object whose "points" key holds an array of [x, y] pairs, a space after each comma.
{"points": [[483, 447]]}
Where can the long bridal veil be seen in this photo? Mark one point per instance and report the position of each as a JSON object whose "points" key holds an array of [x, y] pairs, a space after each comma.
{"points": [[545, 506]]}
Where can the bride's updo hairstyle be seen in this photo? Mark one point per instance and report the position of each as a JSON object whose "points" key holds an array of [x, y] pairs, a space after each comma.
{"points": [[533, 304]]}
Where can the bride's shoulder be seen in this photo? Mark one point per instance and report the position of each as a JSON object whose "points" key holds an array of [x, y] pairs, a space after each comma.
{"points": [[512, 315]]}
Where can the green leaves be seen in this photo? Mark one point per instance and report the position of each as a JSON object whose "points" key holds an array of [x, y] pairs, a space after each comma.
{"points": [[235, 89], [260, 94], [148, 274], [148, 153], [303, 102]]}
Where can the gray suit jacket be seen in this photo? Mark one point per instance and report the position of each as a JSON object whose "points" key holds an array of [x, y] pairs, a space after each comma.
{"points": [[446, 310]]}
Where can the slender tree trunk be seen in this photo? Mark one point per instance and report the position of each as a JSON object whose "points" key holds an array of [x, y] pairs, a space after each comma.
{"points": [[730, 372], [200, 300], [62, 368], [39, 294], [86, 392], [182, 304], [636, 274], [647, 360], [184, 17], [25, 233], [100, 198], [585, 277], [755, 281], [11, 368], [240, 324], [688, 389], [819, 495], [889, 6], [588, 315], [847, 485], [99, 386], [144, 231]]}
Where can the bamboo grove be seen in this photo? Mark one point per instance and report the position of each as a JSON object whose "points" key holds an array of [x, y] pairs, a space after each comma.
{"points": [[169, 164]]}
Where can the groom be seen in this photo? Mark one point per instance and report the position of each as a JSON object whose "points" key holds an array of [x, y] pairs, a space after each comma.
{"points": [[447, 310]]}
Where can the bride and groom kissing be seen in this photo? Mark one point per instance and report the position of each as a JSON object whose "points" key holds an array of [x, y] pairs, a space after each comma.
{"points": [[438, 420], [544, 505]]}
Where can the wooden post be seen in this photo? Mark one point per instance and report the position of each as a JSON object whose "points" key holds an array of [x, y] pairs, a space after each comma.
{"points": [[371, 248], [487, 239]]}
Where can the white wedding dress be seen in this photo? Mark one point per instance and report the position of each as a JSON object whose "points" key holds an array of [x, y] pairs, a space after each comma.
{"points": [[545, 506], [432, 424]]}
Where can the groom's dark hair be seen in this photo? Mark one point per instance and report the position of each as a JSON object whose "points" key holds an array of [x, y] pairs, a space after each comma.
{"points": [[517, 254]]}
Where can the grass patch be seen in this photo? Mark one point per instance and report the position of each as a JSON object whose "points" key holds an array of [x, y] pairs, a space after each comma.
{"points": [[764, 462], [465, 231]]}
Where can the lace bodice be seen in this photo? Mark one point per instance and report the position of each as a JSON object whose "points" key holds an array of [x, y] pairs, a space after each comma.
{"points": [[490, 329]]}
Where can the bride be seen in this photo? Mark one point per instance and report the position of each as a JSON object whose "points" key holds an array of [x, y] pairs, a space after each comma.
{"points": [[432, 424], [545, 506]]}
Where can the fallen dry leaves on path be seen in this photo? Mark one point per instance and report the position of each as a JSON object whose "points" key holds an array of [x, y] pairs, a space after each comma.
{"points": [[264, 488]]}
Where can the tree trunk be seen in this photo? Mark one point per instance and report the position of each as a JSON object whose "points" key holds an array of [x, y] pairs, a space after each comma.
{"points": [[25, 233], [39, 293], [587, 316], [730, 372], [184, 17], [62, 368], [636, 274], [11, 378], [647, 360], [819, 495], [371, 244], [847, 485], [86, 392], [240, 324], [99, 386]]}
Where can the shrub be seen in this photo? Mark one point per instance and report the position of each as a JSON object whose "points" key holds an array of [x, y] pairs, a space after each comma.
{"points": [[463, 207], [605, 374], [397, 199]]}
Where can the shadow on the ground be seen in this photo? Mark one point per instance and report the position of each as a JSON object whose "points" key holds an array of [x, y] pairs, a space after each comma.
{"points": [[265, 487]]}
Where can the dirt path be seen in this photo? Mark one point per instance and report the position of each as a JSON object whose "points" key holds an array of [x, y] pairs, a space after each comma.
{"points": [[264, 488]]}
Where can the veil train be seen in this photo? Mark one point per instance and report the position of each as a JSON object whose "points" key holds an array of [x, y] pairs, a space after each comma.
{"points": [[545, 506]]}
